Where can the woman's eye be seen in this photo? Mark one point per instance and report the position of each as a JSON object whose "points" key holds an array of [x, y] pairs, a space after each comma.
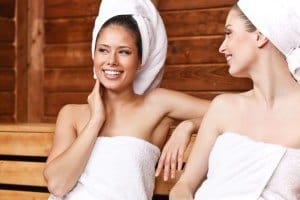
{"points": [[126, 52], [227, 32], [102, 50]]}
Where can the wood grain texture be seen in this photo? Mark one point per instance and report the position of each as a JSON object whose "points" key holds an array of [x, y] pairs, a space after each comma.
{"points": [[7, 30], [22, 195], [195, 22], [7, 8], [7, 103], [7, 55], [7, 80], [22, 173], [194, 4], [73, 8]]}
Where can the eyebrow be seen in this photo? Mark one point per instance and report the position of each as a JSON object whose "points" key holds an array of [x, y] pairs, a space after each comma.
{"points": [[227, 25], [120, 47]]}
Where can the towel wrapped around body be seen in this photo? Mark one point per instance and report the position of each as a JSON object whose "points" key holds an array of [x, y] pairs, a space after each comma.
{"points": [[120, 167], [243, 169]]}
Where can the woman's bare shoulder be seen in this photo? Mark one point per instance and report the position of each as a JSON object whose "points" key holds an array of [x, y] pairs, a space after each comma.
{"points": [[74, 114]]}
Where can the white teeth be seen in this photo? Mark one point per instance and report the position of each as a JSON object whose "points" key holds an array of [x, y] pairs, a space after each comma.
{"points": [[228, 58], [110, 72]]}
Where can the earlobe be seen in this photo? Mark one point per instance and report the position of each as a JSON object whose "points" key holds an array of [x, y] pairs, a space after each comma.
{"points": [[261, 40]]}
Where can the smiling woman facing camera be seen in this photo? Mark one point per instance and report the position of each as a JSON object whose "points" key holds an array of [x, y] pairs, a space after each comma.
{"points": [[108, 148], [248, 145]]}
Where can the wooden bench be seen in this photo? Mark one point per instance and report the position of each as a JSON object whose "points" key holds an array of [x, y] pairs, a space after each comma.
{"points": [[23, 152]]}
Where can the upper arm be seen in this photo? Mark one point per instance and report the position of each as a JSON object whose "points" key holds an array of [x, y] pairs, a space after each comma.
{"points": [[179, 105], [211, 127], [65, 132]]}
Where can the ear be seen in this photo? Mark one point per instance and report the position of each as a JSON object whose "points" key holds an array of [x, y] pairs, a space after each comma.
{"points": [[261, 40]]}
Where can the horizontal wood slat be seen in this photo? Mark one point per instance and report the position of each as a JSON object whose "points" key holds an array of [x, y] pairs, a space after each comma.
{"points": [[7, 8], [7, 32], [202, 78], [55, 101], [24, 144], [22, 173], [194, 50], [71, 8], [22, 195], [180, 51], [195, 22], [7, 55], [7, 79], [28, 127], [72, 55], [69, 80], [193, 4], [192, 23], [190, 78], [7, 103]]}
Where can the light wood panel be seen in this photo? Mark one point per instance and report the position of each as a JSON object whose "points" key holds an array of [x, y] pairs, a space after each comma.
{"points": [[22, 195], [22, 173]]}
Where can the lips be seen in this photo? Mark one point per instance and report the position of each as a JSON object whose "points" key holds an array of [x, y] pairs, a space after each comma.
{"points": [[228, 56]]}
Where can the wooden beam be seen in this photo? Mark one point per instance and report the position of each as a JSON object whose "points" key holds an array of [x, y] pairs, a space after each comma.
{"points": [[21, 36], [36, 60]]}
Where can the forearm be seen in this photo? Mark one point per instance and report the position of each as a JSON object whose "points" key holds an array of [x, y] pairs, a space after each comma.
{"points": [[63, 172], [181, 191]]}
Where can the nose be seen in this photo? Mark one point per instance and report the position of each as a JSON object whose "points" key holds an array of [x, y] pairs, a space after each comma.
{"points": [[112, 59], [222, 47]]}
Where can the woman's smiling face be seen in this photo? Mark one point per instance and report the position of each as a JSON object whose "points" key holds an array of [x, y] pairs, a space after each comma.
{"points": [[116, 57]]}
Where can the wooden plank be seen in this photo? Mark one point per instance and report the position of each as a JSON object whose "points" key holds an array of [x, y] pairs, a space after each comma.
{"points": [[7, 118], [22, 173], [7, 55], [55, 101], [36, 60], [25, 144], [28, 127], [69, 30], [210, 77], [68, 80], [7, 8], [71, 8], [21, 62], [7, 32], [185, 50], [22, 195], [192, 23], [7, 79], [194, 50], [72, 55], [195, 22], [7, 103], [194, 4]]}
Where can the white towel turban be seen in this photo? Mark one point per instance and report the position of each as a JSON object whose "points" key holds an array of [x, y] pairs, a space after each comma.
{"points": [[153, 35], [279, 21]]}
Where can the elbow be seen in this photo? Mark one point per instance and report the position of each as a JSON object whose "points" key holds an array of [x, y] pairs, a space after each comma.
{"points": [[55, 186]]}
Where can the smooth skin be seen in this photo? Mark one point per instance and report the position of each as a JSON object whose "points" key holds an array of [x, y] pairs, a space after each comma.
{"points": [[268, 113], [113, 109]]}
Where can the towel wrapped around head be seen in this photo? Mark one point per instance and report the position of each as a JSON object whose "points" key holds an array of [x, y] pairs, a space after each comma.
{"points": [[279, 21], [153, 35]]}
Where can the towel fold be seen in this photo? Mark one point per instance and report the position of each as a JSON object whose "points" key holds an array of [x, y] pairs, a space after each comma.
{"points": [[279, 21], [153, 35], [239, 168], [119, 168]]}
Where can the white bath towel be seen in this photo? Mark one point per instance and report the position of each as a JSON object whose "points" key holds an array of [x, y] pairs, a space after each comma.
{"points": [[119, 168], [279, 21], [153, 35], [239, 168]]}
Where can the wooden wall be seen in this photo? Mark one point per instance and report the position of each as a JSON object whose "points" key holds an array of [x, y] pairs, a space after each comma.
{"points": [[59, 59], [7, 59]]}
